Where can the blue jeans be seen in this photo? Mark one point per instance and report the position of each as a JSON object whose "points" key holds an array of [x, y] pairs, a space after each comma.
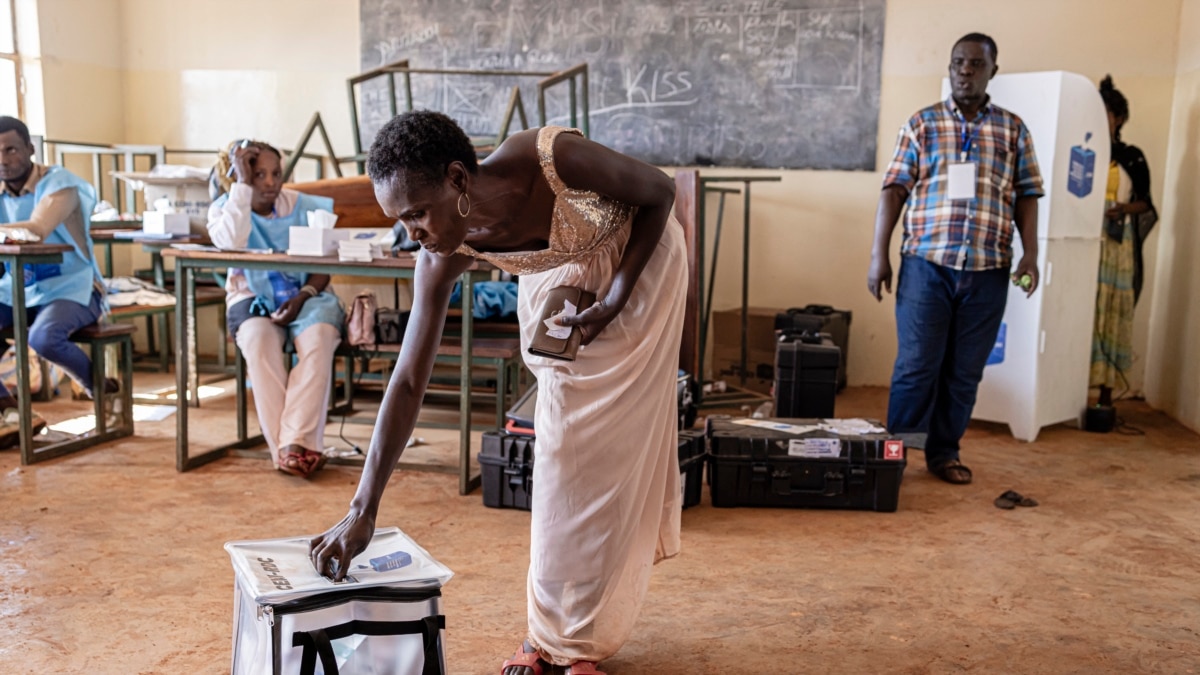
{"points": [[946, 324], [49, 327]]}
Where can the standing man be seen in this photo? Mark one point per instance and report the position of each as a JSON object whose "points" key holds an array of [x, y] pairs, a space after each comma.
{"points": [[60, 298], [967, 172]]}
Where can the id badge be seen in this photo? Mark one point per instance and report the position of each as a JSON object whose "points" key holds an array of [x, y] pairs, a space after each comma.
{"points": [[961, 183]]}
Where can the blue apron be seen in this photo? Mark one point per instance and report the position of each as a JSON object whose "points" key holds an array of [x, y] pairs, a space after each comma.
{"points": [[73, 279], [271, 288]]}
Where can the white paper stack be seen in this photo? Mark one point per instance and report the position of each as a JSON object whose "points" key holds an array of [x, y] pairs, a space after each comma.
{"points": [[365, 245]]}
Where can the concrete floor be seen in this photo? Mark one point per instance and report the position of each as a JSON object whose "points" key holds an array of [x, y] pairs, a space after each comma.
{"points": [[111, 562]]}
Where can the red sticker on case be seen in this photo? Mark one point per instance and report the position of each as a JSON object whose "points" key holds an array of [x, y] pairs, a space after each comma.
{"points": [[893, 450]]}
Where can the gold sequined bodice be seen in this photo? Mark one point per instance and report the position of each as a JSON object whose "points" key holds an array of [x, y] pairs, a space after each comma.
{"points": [[581, 221]]}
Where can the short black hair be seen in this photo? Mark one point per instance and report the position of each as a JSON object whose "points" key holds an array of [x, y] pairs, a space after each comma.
{"points": [[8, 124], [983, 40], [421, 144]]}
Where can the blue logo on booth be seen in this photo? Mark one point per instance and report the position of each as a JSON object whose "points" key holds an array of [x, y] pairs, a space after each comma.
{"points": [[997, 355], [1082, 170]]}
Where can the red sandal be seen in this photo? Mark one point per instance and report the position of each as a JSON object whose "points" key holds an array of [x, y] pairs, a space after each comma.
{"points": [[302, 462], [524, 659], [588, 668]]}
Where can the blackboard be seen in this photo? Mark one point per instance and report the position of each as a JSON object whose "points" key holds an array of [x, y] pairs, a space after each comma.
{"points": [[741, 83]]}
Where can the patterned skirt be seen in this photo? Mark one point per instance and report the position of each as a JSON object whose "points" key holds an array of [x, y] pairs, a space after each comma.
{"points": [[1112, 337]]}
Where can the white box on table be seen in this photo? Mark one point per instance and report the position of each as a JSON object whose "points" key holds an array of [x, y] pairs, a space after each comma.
{"points": [[387, 619], [161, 222]]}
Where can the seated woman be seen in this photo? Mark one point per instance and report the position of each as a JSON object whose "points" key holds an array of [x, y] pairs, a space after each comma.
{"points": [[268, 308]]}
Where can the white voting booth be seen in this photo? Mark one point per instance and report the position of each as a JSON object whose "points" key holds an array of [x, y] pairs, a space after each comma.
{"points": [[1038, 372]]}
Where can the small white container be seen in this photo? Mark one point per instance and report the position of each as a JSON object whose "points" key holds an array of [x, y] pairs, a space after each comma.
{"points": [[159, 222]]}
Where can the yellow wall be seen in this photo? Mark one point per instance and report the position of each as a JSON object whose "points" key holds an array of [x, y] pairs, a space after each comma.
{"points": [[1173, 370], [199, 74], [81, 70]]}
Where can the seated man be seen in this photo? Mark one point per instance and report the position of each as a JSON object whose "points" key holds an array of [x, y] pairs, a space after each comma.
{"points": [[60, 298]]}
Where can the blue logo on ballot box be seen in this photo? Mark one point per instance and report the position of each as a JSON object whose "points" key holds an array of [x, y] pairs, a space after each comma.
{"points": [[997, 355], [1082, 171]]}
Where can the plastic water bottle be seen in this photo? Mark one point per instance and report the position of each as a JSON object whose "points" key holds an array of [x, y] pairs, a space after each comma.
{"points": [[283, 287]]}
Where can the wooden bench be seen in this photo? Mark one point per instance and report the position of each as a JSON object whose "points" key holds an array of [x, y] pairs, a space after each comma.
{"points": [[501, 354], [99, 337], [206, 296]]}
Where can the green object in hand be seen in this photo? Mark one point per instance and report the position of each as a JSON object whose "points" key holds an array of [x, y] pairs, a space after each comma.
{"points": [[1025, 282]]}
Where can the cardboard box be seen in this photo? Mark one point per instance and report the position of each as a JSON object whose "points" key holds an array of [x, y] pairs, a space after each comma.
{"points": [[303, 240], [158, 222], [184, 195], [760, 347]]}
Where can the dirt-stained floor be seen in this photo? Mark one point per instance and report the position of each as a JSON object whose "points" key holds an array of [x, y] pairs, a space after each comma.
{"points": [[112, 562]]}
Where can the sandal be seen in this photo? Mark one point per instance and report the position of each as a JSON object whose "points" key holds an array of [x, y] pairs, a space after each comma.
{"points": [[316, 459], [523, 659], [952, 471], [298, 461], [1012, 499], [589, 668]]}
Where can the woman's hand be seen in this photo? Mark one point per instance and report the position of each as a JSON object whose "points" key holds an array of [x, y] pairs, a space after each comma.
{"points": [[592, 320], [243, 163], [288, 311], [1117, 211], [332, 552]]}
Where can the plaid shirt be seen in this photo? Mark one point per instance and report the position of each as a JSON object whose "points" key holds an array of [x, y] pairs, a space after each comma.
{"points": [[967, 234]]}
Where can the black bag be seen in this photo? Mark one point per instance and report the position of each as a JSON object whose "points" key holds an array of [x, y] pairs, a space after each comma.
{"points": [[389, 325], [1115, 229], [820, 319]]}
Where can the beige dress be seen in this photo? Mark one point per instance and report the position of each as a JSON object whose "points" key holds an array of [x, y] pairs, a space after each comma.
{"points": [[605, 506]]}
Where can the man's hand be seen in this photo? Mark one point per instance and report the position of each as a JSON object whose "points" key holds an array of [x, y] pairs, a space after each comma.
{"points": [[879, 276], [1027, 267]]}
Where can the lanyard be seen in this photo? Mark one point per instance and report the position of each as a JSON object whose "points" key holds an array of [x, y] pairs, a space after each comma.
{"points": [[966, 139]]}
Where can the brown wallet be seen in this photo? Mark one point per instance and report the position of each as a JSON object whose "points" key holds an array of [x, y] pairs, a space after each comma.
{"points": [[560, 348]]}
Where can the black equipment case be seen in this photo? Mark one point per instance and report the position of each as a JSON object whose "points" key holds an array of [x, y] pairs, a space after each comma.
{"points": [[520, 415], [806, 373], [506, 462], [789, 463], [820, 319], [692, 452]]}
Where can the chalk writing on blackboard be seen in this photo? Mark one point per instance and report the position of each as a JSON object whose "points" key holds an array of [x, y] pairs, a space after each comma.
{"points": [[751, 83]]}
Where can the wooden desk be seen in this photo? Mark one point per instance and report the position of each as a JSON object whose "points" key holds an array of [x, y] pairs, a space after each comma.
{"points": [[16, 256], [188, 261]]}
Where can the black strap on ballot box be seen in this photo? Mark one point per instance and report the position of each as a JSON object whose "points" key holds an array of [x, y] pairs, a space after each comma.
{"points": [[318, 643]]}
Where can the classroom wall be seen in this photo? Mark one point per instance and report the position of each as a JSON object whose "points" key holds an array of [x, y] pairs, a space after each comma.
{"points": [[1173, 362], [812, 233], [81, 70]]}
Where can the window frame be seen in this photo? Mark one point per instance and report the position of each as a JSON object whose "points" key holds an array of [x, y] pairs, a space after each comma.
{"points": [[15, 56]]}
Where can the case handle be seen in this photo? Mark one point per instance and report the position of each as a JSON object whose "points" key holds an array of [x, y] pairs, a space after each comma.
{"points": [[318, 643], [835, 484]]}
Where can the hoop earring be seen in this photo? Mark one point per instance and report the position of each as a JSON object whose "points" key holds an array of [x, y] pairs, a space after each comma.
{"points": [[461, 212]]}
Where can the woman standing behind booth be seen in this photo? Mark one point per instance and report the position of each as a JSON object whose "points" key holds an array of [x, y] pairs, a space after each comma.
{"points": [[1128, 219], [267, 308]]}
